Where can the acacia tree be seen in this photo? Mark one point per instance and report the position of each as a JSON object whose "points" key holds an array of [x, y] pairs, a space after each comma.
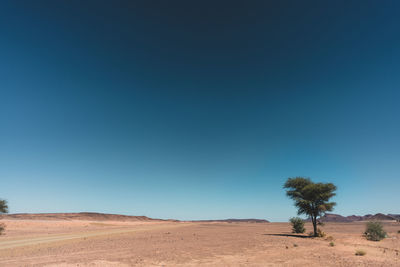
{"points": [[310, 198], [3, 209]]}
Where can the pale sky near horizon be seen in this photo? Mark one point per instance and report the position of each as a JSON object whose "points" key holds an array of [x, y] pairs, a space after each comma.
{"points": [[198, 110]]}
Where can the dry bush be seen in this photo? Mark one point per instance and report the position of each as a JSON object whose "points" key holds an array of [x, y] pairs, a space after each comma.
{"points": [[329, 238], [2, 228], [320, 233], [360, 252]]}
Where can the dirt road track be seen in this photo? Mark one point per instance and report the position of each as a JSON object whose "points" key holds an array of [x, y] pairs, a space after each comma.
{"points": [[61, 237]]}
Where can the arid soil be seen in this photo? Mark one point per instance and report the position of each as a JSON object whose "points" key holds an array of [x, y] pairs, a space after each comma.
{"points": [[164, 243]]}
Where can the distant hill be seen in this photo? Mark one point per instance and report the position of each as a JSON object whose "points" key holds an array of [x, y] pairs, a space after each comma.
{"points": [[89, 216], [94, 216], [236, 220], [380, 217], [331, 217], [397, 216]]}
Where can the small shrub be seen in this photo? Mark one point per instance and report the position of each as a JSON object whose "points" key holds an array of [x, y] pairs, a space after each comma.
{"points": [[329, 238], [2, 228], [398, 231], [320, 233], [360, 252], [295, 245], [297, 225], [374, 231], [331, 244]]}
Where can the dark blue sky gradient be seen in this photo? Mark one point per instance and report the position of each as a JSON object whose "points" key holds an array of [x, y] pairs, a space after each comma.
{"points": [[198, 110]]}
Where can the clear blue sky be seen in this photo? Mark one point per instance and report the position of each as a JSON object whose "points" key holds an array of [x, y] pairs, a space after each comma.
{"points": [[198, 110]]}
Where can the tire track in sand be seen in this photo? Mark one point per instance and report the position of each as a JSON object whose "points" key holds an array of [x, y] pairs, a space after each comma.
{"points": [[61, 237]]}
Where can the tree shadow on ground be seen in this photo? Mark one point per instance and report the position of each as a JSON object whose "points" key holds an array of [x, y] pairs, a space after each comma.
{"points": [[291, 235]]}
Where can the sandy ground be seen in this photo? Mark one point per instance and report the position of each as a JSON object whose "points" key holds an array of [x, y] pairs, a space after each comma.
{"points": [[112, 243]]}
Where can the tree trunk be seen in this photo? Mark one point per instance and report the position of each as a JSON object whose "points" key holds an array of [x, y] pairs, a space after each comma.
{"points": [[314, 222]]}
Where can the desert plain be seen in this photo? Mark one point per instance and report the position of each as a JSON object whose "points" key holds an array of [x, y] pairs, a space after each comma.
{"points": [[119, 242]]}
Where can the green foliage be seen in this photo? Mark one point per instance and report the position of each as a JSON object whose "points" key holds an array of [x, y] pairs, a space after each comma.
{"points": [[3, 209], [3, 206], [374, 231], [332, 244], [360, 252], [310, 198], [295, 245], [297, 225]]}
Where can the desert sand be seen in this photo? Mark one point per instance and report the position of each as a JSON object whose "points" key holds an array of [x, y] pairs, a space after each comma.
{"points": [[37, 242]]}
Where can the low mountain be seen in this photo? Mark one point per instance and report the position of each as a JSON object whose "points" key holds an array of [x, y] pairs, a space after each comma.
{"points": [[355, 218], [396, 216], [87, 216], [236, 221], [331, 217], [381, 217]]}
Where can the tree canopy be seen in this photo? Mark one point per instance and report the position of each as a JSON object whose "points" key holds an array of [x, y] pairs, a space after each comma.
{"points": [[3, 209], [3, 206]]}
